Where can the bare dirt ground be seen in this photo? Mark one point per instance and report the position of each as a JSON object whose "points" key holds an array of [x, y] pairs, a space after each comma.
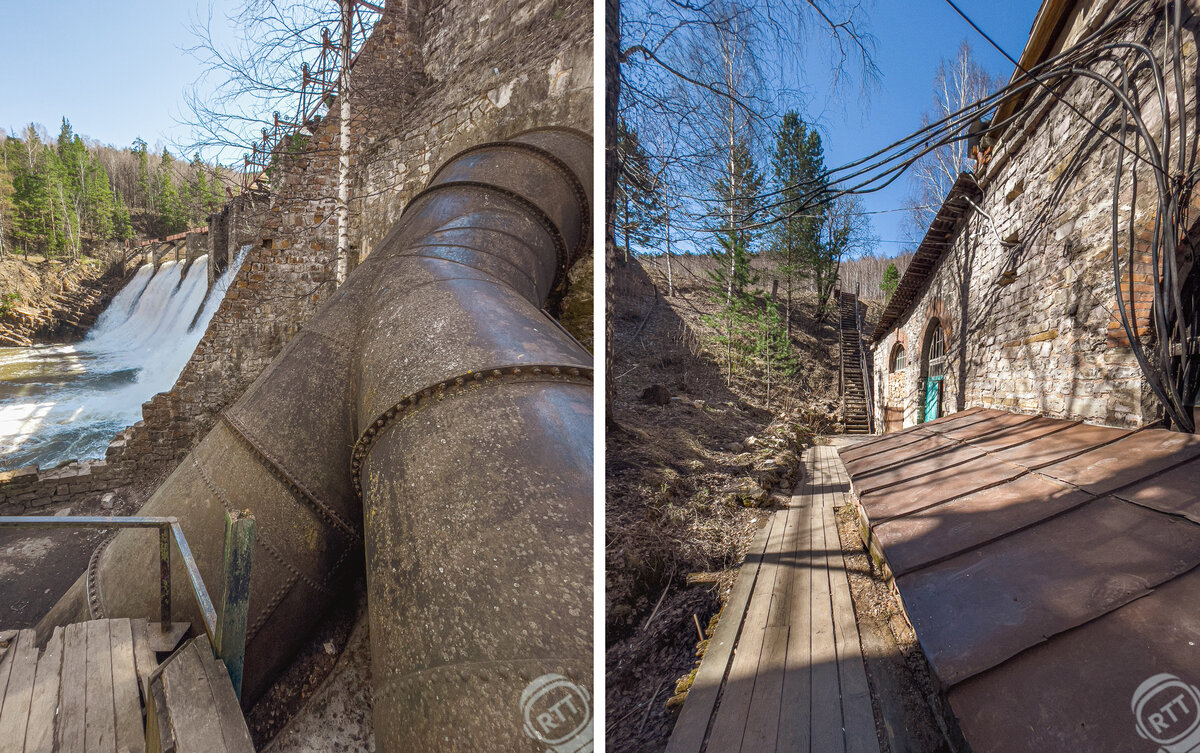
{"points": [[38, 566], [909, 713]]}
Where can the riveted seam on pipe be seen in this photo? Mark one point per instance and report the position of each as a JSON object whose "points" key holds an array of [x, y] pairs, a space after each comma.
{"points": [[330, 340], [561, 259], [272, 604], [477, 671], [321, 507], [549, 158], [260, 537], [452, 387], [92, 578]]}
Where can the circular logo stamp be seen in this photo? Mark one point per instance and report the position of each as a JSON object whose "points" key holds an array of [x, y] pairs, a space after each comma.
{"points": [[558, 713], [1167, 711]]}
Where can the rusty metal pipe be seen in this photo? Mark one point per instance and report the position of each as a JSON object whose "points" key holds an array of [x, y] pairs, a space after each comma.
{"points": [[434, 400]]}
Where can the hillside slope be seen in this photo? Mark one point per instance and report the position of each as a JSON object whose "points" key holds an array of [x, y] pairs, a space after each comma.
{"points": [[688, 471], [51, 301]]}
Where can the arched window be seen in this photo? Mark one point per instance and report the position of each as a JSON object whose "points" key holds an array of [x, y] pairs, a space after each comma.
{"points": [[899, 358], [937, 352], [933, 370]]}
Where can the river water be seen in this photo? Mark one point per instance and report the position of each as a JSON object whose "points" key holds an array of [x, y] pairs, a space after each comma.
{"points": [[66, 402]]}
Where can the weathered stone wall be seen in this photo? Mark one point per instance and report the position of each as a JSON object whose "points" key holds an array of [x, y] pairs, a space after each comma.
{"points": [[1027, 299], [433, 79]]}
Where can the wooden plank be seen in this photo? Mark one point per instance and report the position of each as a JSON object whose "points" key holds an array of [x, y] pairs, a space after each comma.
{"points": [[6, 662], [73, 693], [692, 725], [100, 722], [857, 712], [43, 706], [729, 724], [762, 719], [144, 658], [127, 707], [158, 725], [189, 701], [826, 691], [794, 724], [233, 725], [14, 714]]}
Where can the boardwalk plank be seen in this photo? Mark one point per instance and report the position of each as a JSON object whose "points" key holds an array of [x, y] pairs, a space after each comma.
{"points": [[43, 706], [692, 725], [14, 714], [826, 689], [6, 660], [100, 722], [762, 718], [796, 680], [861, 736], [73, 692], [233, 724], [189, 701], [144, 658], [795, 713], [131, 734], [729, 725]]}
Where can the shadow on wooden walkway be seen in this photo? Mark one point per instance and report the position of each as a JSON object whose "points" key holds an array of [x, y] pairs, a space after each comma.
{"points": [[784, 670]]}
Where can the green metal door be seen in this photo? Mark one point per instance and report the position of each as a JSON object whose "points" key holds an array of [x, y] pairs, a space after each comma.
{"points": [[933, 398]]}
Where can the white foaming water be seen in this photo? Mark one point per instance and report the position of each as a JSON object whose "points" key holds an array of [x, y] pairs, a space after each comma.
{"points": [[66, 402]]}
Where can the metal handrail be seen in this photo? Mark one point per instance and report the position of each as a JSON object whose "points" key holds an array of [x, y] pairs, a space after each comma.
{"points": [[227, 636]]}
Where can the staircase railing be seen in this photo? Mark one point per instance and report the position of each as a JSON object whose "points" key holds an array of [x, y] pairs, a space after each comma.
{"points": [[862, 358], [227, 629]]}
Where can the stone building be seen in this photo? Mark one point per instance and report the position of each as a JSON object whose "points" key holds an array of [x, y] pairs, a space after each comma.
{"points": [[1011, 299]]}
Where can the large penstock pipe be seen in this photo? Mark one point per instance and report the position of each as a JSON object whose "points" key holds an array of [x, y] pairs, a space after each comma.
{"points": [[432, 412]]}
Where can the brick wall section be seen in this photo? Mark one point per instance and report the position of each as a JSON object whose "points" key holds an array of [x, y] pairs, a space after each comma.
{"points": [[427, 84], [1033, 327]]}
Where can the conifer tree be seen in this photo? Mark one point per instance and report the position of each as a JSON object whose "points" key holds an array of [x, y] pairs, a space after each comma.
{"points": [[639, 210], [798, 164], [891, 278]]}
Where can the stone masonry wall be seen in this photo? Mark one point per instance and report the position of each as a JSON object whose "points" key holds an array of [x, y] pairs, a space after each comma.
{"points": [[1028, 303], [433, 79]]}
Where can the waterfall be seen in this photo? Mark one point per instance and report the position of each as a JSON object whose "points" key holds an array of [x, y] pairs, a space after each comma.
{"points": [[66, 402]]}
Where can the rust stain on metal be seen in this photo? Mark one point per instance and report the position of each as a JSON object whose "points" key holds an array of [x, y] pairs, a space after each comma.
{"points": [[1050, 569]]}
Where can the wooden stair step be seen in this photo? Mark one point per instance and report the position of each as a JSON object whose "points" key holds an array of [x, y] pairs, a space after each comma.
{"points": [[192, 705]]}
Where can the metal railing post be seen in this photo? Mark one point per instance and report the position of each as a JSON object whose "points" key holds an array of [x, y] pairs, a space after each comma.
{"points": [[235, 596], [164, 569]]}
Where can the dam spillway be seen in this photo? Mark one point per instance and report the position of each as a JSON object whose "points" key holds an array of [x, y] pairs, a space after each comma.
{"points": [[66, 402]]}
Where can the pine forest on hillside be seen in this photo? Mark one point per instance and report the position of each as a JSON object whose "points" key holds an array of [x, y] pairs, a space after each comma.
{"points": [[62, 197]]}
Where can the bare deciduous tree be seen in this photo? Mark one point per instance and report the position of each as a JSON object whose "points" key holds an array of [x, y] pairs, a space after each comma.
{"points": [[957, 84]]}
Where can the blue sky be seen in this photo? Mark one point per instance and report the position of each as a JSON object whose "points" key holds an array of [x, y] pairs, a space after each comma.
{"points": [[912, 36], [118, 71]]}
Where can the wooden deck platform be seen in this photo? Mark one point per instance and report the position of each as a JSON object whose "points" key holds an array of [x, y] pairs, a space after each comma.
{"points": [[784, 670], [86, 690]]}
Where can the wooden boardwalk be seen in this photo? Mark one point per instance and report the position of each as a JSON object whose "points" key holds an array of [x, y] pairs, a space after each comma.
{"points": [[784, 670], [86, 690]]}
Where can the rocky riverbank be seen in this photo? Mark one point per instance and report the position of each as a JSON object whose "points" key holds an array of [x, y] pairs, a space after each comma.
{"points": [[50, 301]]}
